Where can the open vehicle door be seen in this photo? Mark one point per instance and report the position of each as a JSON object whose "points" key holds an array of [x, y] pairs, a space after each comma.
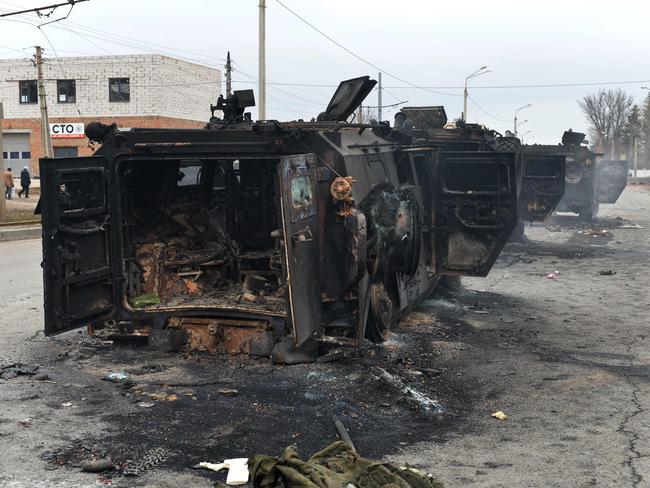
{"points": [[475, 210], [611, 179], [542, 187], [298, 190], [79, 286]]}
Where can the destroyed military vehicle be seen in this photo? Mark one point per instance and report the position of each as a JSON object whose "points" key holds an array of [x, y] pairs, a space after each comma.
{"points": [[269, 237], [541, 177], [590, 180]]}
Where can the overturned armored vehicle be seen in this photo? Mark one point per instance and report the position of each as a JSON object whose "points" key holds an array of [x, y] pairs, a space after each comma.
{"points": [[267, 236], [589, 180]]}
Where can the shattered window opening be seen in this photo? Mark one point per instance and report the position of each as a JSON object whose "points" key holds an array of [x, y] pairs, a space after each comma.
{"points": [[301, 193]]}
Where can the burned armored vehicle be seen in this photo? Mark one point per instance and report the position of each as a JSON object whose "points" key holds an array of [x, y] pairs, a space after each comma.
{"points": [[266, 236], [540, 177], [590, 180]]}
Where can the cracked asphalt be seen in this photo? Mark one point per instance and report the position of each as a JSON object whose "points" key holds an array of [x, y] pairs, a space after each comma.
{"points": [[567, 360]]}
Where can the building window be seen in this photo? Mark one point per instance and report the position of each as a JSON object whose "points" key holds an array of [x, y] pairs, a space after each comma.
{"points": [[14, 154], [118, 90], [66, 152], [66, 90], [26, 155], [4, 155], [28, 91]]}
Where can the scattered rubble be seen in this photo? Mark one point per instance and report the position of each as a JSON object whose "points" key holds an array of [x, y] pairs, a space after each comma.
{"points": [[10, 371]]}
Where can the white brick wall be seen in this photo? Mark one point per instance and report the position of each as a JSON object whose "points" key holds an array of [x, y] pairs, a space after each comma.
{"points": [[159, 85]]}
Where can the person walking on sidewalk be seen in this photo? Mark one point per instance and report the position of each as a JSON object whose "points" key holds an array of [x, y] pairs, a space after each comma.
{"points": [[25, 181], [8, 178]]}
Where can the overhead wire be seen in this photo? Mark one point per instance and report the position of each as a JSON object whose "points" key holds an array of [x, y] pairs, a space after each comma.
{"points": [[485, 111], [359, 57]]}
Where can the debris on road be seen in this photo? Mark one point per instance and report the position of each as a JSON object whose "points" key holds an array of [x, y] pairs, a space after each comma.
{"points": [[499, 415], [552, 276], [595, 232], [412, 396], [343, 433], [336, 465], [229, 392], [150, 460], [606, 272], [25, 422], [10, 371], [66, 404], [118, 377], [97, 465]]}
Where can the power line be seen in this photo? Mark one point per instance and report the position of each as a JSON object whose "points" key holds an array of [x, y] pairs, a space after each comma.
{"points": [[37, 10], [359, 57], [486, 112]]}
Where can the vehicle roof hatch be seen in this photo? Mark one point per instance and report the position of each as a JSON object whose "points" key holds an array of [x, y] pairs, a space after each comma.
{"points": [[347, 97], [570, 138]]}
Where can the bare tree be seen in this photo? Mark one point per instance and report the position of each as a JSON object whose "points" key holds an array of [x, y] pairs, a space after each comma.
{"points": [[607, 112]]}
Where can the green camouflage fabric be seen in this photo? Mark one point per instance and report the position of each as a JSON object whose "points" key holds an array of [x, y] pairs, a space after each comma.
{"points": [[336, 466]]}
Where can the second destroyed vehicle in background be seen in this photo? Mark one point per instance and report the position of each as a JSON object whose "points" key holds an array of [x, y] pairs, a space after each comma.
{"points": [[271, 238], [590, 180]]}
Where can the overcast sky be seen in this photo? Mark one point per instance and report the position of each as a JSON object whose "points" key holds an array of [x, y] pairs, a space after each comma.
{"points": [[423, 42]]}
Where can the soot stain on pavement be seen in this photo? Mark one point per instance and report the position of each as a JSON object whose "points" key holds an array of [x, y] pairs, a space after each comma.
{"points": [[275, 406]]}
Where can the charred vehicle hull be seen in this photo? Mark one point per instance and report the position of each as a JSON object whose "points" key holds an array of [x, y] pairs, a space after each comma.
{"points": [[589, 181], [267, 237]]}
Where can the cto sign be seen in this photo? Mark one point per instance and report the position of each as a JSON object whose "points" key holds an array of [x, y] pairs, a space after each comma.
{"points": [[67, 131]]}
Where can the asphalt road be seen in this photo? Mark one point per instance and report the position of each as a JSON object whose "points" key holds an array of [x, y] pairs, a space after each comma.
{"points": [[566, 359]]}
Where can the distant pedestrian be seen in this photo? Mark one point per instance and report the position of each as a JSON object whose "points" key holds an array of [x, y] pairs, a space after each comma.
{"points": [[8, 178], [25, 181]]}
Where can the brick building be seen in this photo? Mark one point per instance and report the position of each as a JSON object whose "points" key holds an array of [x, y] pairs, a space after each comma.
{"points": [[134, 91]]}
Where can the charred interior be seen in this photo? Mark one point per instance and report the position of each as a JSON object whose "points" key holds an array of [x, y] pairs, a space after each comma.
{"points": [[202, 232]]}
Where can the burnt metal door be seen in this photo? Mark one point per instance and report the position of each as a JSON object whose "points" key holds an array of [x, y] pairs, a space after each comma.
{"points": [[76, 242], [299, 217], [475, 210], [542, 186], [611, 179]]}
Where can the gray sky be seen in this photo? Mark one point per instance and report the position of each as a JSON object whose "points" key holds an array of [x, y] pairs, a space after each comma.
{"points": [[427, 43]]}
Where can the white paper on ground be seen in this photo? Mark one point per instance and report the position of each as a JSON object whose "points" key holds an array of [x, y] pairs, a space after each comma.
{"points": [[237, 471], [214, 467]]}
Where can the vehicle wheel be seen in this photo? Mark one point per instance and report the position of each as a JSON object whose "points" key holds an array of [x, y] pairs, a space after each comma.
{"points": [[383, 314], [509, 144]]}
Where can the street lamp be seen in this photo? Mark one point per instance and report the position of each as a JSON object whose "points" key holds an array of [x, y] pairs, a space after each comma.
{"points": [[524, 134], [478, 72], [516, 112]]}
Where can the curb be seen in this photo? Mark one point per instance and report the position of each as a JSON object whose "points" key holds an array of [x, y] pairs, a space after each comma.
{"points": [[20, 233]]}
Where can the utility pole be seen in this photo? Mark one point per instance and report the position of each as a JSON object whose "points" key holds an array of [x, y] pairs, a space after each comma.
{"points": [[636, 154], [45, 121], [360, 114], [228, 76], [262, 60], [379, 114], [3, 203], [516, 112], [481, 71]]}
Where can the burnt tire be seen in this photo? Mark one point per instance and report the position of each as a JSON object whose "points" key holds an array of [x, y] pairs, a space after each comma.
{"points": [[509, 144], [382, 316]]}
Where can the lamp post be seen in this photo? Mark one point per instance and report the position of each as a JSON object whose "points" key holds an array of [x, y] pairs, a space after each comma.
{"points": [[478, 72], [516, 112], [524, 134]]}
